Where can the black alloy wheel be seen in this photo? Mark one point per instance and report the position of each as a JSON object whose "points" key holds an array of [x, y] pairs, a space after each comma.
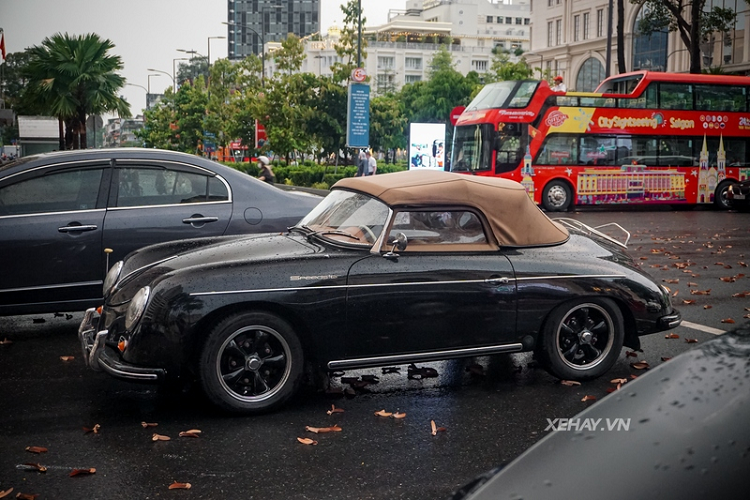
{"points": [[251, 362], [582, 340]]}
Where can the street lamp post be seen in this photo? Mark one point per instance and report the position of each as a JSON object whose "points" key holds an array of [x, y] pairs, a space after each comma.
{"points": [[262, 50], [148, 79], [165, 73], [208, 43]]}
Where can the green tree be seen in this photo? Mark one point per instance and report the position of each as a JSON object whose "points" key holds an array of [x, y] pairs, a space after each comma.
{"points": [[348, 44], [190, 112], [71, 77], [192, 69], [387, 123], [503, 69], [689, 18], [291, 55], [245, 95], [327, 124]]}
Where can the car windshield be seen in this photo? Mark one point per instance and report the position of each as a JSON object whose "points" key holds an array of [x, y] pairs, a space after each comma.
{"points": [[346, 216]]}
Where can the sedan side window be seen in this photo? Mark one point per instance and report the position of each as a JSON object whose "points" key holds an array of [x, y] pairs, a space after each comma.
{"points": [[439, 228], [157, 186], [66, 191]]}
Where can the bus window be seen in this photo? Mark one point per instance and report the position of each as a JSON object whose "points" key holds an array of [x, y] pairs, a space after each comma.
{"points": [[510, 147], [676, 152], [491, 96], [737, 152], [648, 99], [472, 148], [523, 95], [676, 96], [597, 150], [719, 98], [599, 102], [558, 150], [625, 85]]}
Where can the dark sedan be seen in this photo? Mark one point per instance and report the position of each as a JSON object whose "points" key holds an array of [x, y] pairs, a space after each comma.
{"points": [[65, 215], [388, 269], [679, 431]]}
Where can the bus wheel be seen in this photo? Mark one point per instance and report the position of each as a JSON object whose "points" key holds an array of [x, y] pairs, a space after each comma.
{"points": [[557, 197], [720, 196]]}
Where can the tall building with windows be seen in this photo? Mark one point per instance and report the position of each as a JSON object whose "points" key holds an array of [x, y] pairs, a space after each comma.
{"points": [[569, 38], [253, 23]]}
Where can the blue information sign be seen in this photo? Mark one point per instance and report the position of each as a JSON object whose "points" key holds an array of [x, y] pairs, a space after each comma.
{"points": [[358, 116]]}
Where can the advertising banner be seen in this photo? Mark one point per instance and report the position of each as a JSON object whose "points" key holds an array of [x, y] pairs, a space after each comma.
{"points": [[426, 146], [358, 116]]}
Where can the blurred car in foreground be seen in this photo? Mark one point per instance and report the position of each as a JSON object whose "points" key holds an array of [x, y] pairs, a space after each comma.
{"points": [[679, 431], [60, 211], [388, 269], [738, 196]]}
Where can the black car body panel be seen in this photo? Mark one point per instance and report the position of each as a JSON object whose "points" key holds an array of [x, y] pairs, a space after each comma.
{"points": [[60, 211], [687, 437]]}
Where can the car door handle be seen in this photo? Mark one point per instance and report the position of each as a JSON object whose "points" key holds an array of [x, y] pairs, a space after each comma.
{"points": [[497, 281], [77, 229], [199, 220]]}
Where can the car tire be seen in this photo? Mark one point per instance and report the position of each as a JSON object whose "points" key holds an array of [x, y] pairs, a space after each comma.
{"points": [[720, 196], [557, 197], [582, 340], [251, 362]]}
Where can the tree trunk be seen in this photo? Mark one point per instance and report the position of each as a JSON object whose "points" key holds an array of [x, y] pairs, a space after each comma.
{"points": [[61, 132], [621, 66], [695, 37], [82, 130]]}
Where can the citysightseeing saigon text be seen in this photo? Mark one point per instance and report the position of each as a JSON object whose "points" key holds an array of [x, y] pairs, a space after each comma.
{"points": [[651, 122]]}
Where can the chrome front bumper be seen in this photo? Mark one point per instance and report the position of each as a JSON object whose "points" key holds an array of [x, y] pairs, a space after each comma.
{"points": [[671, 321], [98, 358]]}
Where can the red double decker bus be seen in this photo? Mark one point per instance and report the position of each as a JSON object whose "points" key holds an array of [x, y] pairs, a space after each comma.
{"points": [[641, 137]]}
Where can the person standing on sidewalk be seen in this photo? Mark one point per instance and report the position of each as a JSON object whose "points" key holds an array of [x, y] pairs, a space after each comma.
{"points": [[372, 163]]}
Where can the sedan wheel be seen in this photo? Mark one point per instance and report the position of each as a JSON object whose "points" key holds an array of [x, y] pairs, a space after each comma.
{"points": [[582, 340], [251, 362]]}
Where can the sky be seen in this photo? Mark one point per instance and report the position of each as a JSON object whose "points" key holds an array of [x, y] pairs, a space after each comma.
{"points": [[146, 33]]}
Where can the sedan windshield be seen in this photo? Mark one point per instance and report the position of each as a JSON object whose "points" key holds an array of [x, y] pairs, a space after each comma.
{"points": [[347, 216]]}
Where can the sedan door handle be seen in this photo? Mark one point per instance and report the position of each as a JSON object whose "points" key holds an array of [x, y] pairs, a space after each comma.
{"points": [[77, 229], [497, 281], [199, 220]]}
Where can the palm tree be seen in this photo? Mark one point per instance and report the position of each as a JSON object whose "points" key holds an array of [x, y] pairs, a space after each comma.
{"points": [[71, 77]]}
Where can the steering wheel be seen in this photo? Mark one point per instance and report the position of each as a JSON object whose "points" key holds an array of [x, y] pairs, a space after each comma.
{"points": [[369, 235]]}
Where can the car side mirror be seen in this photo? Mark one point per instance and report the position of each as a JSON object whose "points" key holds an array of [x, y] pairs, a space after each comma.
{"points": [[399, 243]]}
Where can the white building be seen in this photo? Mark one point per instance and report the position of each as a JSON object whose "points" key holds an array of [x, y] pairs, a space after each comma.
{"points": [[569, 38], [400, 51]]}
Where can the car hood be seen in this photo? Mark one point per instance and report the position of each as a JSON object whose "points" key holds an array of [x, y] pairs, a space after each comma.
{"points": [[687, 438]]}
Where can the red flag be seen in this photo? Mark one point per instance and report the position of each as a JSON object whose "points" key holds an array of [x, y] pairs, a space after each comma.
{"points": [[2, 45]]}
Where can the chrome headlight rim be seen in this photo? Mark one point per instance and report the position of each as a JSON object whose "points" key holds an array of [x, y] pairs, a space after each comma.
{"points": [[111, 279], [137, 307]]}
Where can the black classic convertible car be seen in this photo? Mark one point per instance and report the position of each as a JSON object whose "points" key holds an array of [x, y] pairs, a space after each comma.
{"points": [[388, 269]]}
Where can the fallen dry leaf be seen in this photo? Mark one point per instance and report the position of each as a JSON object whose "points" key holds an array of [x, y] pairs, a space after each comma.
{"points": [[665, 358], [323, 430], [307, 441], [6, 342], [672, 282], [718, 263], [644, 258], [707, 306], [672, 336], [728, 279], [700, 292], [36, 449], [5, 493], [746, 316], [618, 381], [26, 496], [180, 486], [640, 365], [435, 428], [38, 467], [67, 358], [94, 429], [192, 433], [690, 283], [631, 354], [728, 320], [159, 437], [688, 302], [742, 264], [383, 413], [80, 472], [570, 383], [727, 267], [741, 295], [146, 425], [334, 410], [398, 415], [691, 341], [588, 398]]}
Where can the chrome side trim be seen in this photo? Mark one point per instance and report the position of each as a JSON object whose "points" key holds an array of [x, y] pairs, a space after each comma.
{"points": [[422, 356], [197, 204], [36, 214], [50, 287], [491, 281]]}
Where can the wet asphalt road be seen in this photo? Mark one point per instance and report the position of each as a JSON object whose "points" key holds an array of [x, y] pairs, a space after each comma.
{"points": [[490, 418]]}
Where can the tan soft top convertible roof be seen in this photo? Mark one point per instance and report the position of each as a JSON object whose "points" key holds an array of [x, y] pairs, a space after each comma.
{"points": [[513, 216]]}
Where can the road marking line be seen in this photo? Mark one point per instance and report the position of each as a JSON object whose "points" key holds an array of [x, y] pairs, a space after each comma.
{"points": [[702, 328]]}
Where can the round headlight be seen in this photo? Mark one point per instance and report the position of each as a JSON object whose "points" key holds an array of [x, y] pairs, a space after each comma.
{"points": [[112, 276], [136, 307]]}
